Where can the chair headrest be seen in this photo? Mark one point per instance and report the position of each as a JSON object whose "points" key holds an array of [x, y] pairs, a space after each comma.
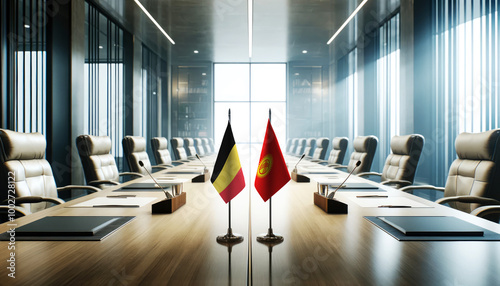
{"points": [[478, 146], [135, 143], [177, 142], [402, 145], [161, 143], [309, 141], [189, 141], [322, 143], [22, 146], [89, 145], [364, 143], [339, 143]]}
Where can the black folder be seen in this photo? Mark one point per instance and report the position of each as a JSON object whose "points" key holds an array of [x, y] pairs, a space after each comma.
{"points": [[432, 226], [85, 228]]}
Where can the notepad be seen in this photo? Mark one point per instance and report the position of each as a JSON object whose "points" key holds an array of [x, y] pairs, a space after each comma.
{"points": [[353, 185], [66, 226], [148, 185], [432, 226]]}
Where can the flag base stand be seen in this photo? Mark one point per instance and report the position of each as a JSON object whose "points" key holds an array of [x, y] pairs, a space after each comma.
{"points": [[270, 238], [229, 238]]}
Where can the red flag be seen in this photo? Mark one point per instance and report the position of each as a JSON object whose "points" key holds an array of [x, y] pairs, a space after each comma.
{"points": [[272, 173]]}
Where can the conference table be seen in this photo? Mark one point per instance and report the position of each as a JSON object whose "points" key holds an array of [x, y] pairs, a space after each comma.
{"points": [[318, 248]]}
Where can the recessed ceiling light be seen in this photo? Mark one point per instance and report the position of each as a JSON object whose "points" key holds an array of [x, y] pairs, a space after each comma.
{"points": [[101, 47], [195, 51], [347, 21], [204, 73], [27, 26], [154, 21], [304, 51]]}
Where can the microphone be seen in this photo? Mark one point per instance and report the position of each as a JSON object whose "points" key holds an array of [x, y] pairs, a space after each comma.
{"points": [[331, 195], [197, 156], [167, 194], [301, 157]]}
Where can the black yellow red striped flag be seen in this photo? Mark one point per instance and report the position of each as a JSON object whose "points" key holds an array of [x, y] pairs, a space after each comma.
{"points": [[227, 175]]}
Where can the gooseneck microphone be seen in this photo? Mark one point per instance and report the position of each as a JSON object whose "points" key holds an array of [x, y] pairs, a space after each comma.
{"points": [[167, 194], [332, 194], [301, 157], [197, 156]]}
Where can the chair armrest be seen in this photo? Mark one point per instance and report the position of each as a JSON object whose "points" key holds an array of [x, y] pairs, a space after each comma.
{"points": [[410, 189], [365, 174], [6, 211], [338, 166], [485, 211], [91, 189], [163, 167], [401, 183], [469, 199], [98, 183], [35, 199], [131, 174]]}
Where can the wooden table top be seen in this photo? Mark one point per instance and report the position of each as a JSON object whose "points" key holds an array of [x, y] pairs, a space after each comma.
{"points": [[318, 248]]}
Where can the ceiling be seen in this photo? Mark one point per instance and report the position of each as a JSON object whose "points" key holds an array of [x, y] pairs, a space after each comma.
{"points": [[218, 29]]}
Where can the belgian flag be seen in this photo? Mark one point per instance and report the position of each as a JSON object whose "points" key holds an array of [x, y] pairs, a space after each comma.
{"points": [[227, 175]]}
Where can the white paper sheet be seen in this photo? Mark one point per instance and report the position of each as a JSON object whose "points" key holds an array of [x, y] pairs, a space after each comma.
{"points": [[376, 202], [115, 202]]}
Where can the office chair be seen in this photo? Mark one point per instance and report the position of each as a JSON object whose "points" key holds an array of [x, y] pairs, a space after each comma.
{"points": [[337, 154], [320, 150], [288, 145], [189, 146], [178, 149], [474, 177], [161, 153], [25, 170], [310, 146], [99, 165], [293, 146], [401, 165], [364, 151], [206, 145], [198, 145], [301, 145], [134, 149]]}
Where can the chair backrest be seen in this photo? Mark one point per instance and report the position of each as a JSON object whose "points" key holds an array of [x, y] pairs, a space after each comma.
{"points": [[198, 144], [301, 145], [24, 165], [310, 146], [288, 144], [189, 146], [476, 171], [339, 148], [293, 146], [364, 151], [402, 163], [160, 150], [134, 150], [206, 145], [97, 161], [178, 148], [211, 144], [321, 148]]}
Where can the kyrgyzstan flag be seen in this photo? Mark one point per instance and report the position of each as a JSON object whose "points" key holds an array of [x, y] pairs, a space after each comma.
{"points": [[272, 173], [227, 175]]}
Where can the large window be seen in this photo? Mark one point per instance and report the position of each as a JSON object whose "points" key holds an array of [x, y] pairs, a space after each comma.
{"points": [[388, 74], [27, 66], [250, 90], [467, 70], [103, 77]]}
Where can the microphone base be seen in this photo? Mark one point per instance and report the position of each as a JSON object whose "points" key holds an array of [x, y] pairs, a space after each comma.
{"points": [[330, 206], [201, 178], [299, 178], [168, 206]]}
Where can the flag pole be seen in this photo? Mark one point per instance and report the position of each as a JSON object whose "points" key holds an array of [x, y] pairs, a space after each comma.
{"points": [[230, 238], [270, 238]]}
